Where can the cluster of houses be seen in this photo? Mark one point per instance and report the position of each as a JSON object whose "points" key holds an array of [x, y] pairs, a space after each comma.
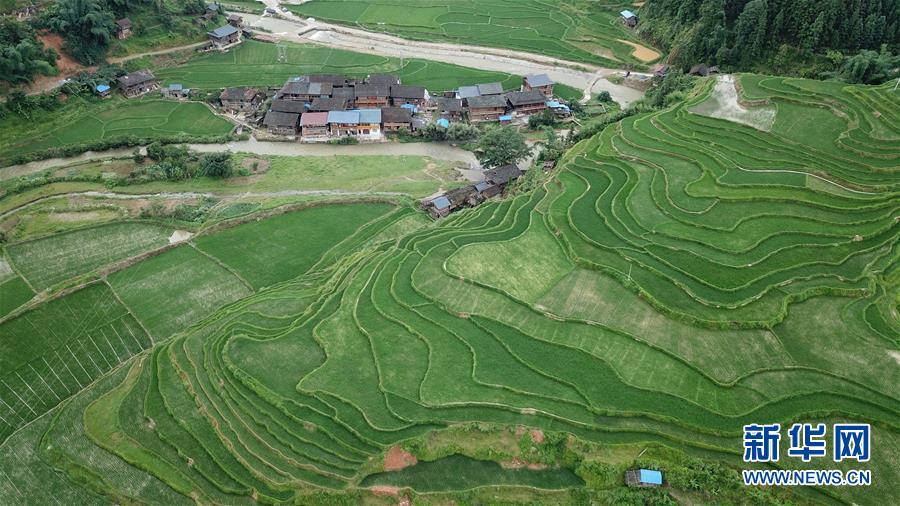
{"points": [[322, 106], [495, 181]]}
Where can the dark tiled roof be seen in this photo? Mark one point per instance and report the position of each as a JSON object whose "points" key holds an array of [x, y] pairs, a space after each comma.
{"points": [[490, 89], [346, 92], [383, 79], [240, 93], [333, 79], [450, 104], [395, 115], [123, 23], [372, 90], [538, 80], [487, 101], [502, 174], [328, 104], [281, 119], [135, 78], [292, 106], [525, 97], [410, 92]]}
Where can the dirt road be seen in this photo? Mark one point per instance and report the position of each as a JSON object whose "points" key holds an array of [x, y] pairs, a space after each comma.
{"points": [[585, 77]]}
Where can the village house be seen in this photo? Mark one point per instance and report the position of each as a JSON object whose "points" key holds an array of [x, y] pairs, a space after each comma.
{"points": [[175, 91], [326, 104], [526, 103], [137, 83], [502, 175], [347, 93], [394, 119], [412, 95], [538, 82], [102, 90], [466, 92], [383, 79], [478, 90], [372, 95], [235, 20], [314, 124], [335, 80], [643, 478], [438, 207], [123, 28], [291, 106], [304, 91], [224, 36], [343, 123], [370, 122], [486, 108], [281, 123], [240, 99], [629, 18], [450, 108]]}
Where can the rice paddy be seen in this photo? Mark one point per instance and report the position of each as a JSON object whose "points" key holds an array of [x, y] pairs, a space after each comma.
{"points": [[680, 276], [572, 30]]}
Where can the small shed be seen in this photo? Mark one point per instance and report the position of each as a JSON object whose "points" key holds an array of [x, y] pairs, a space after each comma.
{"points": [[224, 36], [643, 478], [699, 70], [176, 91], [629, 18], [102, 90], [235, 20], [123, 28], [439, 207]]}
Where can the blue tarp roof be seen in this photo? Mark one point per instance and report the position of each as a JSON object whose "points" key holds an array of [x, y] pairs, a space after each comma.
{"points": [[102, 87], [441, 202], [627, 14], [505, 117], [175, 87], [370, 115], [444, 122], [553, 104], [650, 476], [411, 107]]}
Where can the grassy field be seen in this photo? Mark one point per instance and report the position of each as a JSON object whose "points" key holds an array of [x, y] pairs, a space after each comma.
{"points": [[83, 121], [681, 275], [259, 64], [580, 31], [46, 262]]}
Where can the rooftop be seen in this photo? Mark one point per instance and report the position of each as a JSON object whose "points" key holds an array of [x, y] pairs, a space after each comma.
{"points": [[490, 89], [383, 79], [525, 97], [651, 476], [538, 80], [281, 119], [372, 90], [396, 115], [441, 202], [413, 92], [137, 77], [293, 106], [223, 31], [627, 14], [502, 174], [314, 119], [487, 101], [468, 91], [345, 117], [328, 104], [370, 116]]}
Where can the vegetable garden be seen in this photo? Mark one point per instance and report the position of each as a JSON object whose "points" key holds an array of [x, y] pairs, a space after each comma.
{"points": [[681, 276]]}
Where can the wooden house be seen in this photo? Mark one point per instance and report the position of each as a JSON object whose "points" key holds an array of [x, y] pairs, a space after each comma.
{"points": [[629, 18], [486, 108], [451, 108], [123, 28], [314, 124], [224, 36], [538, 82], [176, 91], [643, 478], [137, 83], [281, 123], [240, 99], [413, 95], [526, 103], [394, 119], [291, 106], [326, 104], [343, 123], [502, 175], [370, 122], [372, 95], [438, 207], [383, 79], [102, 90], [235, 20]]}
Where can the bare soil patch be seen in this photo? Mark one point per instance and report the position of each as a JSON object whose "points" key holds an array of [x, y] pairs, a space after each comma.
{"points": [[261, 165], [385, 490], [537, 435], [640, 52], [180, 236], [396, 459], [66, 64], [70, 216]]}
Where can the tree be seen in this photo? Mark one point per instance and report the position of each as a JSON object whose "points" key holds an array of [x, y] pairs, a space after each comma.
{"points": [[21, 54], [217, 165], [156, 152], [604, 96], [462, 132], [870, 67], [500, 146], [750, 29], [88, 27]]}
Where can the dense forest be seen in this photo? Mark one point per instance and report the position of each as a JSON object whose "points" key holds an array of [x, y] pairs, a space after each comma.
{"points": [[856, 40]]}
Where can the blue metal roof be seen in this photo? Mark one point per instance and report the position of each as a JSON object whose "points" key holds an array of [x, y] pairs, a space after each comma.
{"points": [[627, 14], [443, 122], [651, 477], [175, 87], [347, 117], [441, 202], [223, 31], [370, 115], [102, 87]]}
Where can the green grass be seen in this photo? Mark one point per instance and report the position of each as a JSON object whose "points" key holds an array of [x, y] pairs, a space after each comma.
{"points": [[13, 293], [463, 473], [52, 260], [571, 30], [256, 63], [201, 285], [82, 121], [285, 246]]}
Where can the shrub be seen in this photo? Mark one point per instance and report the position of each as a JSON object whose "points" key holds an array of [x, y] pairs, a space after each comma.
{"points": [[217, 165]]}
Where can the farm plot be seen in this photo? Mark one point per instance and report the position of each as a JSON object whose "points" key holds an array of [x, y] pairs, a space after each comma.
{"points": [[52, 260], [565, 29], [84, 122], [670, 284], [258, 64]]}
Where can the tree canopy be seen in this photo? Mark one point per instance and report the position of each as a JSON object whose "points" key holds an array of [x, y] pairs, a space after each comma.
{"points": [[22, 55], [500, 146], [87, 25]]}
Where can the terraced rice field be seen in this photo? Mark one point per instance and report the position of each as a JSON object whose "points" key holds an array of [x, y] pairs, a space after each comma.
{"points": [[589, 32], [681, 276], [256, 63], [83, 123]]}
